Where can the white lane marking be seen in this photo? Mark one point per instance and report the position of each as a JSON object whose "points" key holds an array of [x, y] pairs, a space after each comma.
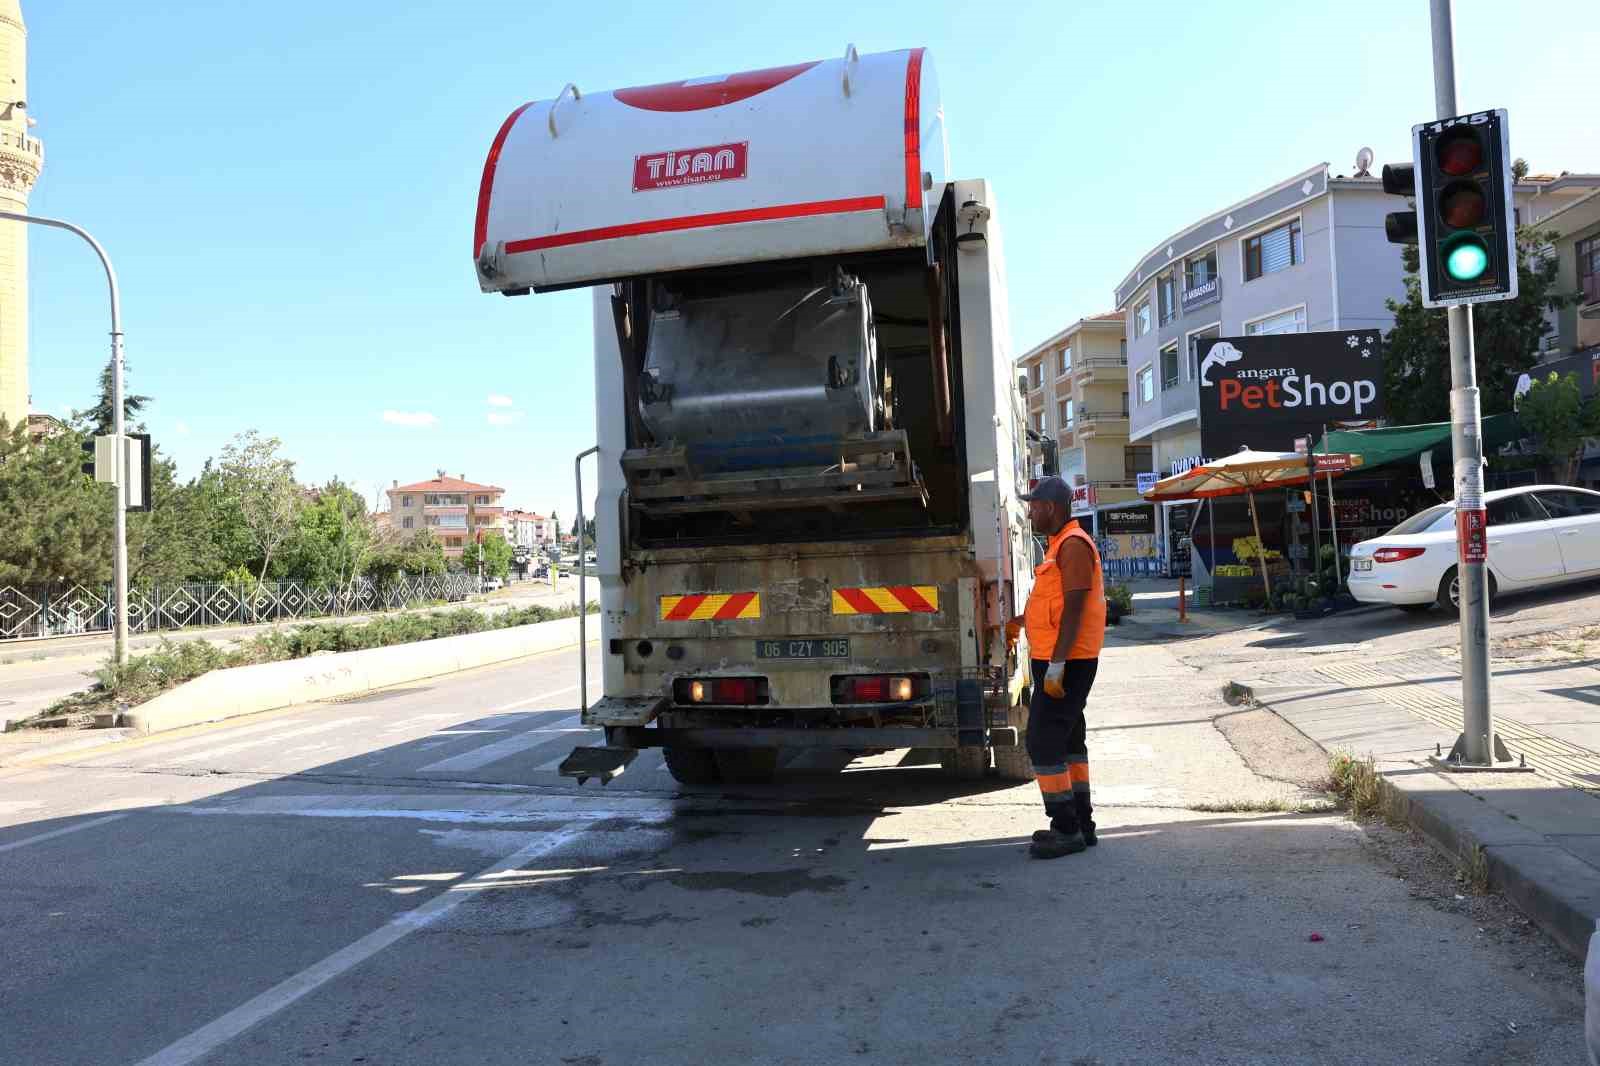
{"points": [[406, 725], [25, 841], [208, 754], [478, 758], [176, 744], [559, 759], [534, 699], [471, 807], [213, 1035]]}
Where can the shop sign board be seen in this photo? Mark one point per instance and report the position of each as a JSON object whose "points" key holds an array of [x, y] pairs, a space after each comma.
{"points": [[1262, 392]]}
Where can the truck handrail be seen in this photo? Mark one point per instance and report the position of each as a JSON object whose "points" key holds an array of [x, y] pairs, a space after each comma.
{"points": [[569, 87], [583, 595]]}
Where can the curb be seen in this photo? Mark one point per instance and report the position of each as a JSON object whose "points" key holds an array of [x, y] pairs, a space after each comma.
{"points": [[1559, 892], [243, 690]]}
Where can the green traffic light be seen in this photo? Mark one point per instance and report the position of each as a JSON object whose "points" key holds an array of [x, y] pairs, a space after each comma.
{"points": [[1466, 260]]}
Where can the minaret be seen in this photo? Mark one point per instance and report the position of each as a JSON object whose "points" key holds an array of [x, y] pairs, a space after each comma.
{"points": [[21, 159]]}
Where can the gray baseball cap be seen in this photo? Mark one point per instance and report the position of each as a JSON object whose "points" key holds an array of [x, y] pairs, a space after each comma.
{"points": [[1051, 490]]}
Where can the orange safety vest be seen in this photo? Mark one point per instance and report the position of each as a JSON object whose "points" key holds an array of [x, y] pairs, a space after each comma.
{"points": [[1042, 619]]}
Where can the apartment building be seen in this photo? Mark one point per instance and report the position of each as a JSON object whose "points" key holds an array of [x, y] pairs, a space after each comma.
{"points": [[1078, 398], [1306, 254], [529, 530], [455, 509]]}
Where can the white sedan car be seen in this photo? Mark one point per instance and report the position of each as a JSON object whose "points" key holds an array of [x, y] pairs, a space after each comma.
{"points": [[1539, 535]]}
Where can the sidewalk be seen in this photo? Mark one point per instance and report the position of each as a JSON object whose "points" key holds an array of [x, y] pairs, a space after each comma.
{"points": [[1539, 830]]}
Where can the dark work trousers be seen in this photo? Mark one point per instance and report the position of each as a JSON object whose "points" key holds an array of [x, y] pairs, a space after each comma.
{"points": [[1058, 745]]}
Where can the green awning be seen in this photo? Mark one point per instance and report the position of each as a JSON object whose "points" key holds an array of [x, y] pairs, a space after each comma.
{"points": [[1395, 444]]}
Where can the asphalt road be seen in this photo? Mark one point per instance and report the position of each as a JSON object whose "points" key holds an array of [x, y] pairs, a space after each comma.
{"points": [[402, 879]]}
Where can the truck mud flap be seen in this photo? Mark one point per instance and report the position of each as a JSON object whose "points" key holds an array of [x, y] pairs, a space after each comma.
{"points": [[969, 712], [604, 762]]}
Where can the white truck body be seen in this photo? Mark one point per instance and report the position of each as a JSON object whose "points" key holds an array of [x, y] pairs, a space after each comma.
{"points": [[810, 439]]}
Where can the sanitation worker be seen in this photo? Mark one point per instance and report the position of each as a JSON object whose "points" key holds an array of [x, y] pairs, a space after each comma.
{"points": [[1066, 622]]}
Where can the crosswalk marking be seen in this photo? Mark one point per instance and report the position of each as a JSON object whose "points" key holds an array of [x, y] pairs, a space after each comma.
{"points": [[478, 758], [208, 754], [117, 758]]}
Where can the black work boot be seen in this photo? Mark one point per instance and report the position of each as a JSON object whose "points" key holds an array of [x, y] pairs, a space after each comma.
{"points": [[1085, 812], [1084, 827], [1053, 844]]}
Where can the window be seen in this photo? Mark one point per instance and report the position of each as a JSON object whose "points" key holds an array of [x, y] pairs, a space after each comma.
{"points": [[407, 522], [1038, 421], [405, 501], [1064, 408], [1147, 385], [1141, 319], [1589, 269], [1122, 350], [1135, 461], [1198, 343], [481, 501], [1169, 367], [1066, 361], [1167, 297], [1272, 251], [1124, 405], [482, 519], [1284, 322], [1570, 504], [453, 542], [1512, 510], [1199, 269]]}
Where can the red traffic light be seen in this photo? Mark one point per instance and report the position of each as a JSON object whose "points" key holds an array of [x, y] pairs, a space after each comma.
{"points": [[1459, 151], [1462, 204]]}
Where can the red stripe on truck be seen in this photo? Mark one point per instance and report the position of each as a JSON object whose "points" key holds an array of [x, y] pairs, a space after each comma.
{"points": [[682, 222], [480, 228], [914, 129]]}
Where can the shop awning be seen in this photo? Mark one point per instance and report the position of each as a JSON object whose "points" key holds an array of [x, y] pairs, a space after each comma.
{"points": [[1399, 443]]}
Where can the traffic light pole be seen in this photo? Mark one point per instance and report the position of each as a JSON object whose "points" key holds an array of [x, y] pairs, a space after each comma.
{"points": [[1477, 746], [119, 564]]}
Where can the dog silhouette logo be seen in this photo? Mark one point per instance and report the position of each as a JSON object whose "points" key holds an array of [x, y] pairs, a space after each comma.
{"points": [[1221, 354]]}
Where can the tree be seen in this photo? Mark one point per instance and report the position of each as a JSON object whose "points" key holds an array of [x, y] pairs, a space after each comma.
{"points": [[332, 540], [1507, 334], [262, 483], [396, 552], [168, 543], [55, 523], [1554, 413], [496, 556], [221, 543], [99, 417]]}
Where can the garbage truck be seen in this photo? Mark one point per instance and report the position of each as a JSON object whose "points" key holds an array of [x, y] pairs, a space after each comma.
{"points": [[810, 433]]}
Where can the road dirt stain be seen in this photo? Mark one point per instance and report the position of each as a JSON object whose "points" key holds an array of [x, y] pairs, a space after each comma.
{"points": [[770, 883]]}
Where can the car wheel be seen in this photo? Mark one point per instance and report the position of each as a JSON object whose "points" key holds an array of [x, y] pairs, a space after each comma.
{"points": [[1449, 598]]}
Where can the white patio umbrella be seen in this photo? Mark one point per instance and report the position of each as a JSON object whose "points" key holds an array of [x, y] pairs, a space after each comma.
{"points": [[1242, 473]]}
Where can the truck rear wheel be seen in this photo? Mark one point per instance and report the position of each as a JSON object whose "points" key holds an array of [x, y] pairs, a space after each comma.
{"points": [[692, 766], [966, 763], [747, 766]]}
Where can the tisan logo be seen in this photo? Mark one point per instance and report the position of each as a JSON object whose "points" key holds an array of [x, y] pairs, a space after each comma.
{"points": [[690, 166], [1281, 387]]}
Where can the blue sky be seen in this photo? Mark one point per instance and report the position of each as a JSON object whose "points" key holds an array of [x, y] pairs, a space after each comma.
{"points": [[287, 190]]}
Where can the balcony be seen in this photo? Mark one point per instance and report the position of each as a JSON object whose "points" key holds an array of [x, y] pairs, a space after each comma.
{"points": [[1103, 369], [1101, 424]]}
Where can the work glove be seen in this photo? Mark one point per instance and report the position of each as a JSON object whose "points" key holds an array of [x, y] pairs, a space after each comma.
{"points": [[1053, 678], [1013, 631]]}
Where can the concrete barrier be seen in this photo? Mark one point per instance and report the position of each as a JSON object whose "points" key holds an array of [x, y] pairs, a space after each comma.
{"points": [[243, 690]]}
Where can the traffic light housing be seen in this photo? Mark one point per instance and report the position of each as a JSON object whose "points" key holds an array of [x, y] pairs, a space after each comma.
{"points": [[1465, 227]]}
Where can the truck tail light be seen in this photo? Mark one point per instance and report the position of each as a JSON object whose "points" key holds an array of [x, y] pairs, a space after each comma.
{"points": [[879, 688], [1396, 555], [720, 690]]}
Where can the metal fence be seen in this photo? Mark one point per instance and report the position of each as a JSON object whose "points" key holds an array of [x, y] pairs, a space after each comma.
{"points": [[57, 610], [1122, 569]]}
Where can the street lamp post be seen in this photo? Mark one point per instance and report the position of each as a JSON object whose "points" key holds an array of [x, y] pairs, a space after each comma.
{"points": [[120, 550]]}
